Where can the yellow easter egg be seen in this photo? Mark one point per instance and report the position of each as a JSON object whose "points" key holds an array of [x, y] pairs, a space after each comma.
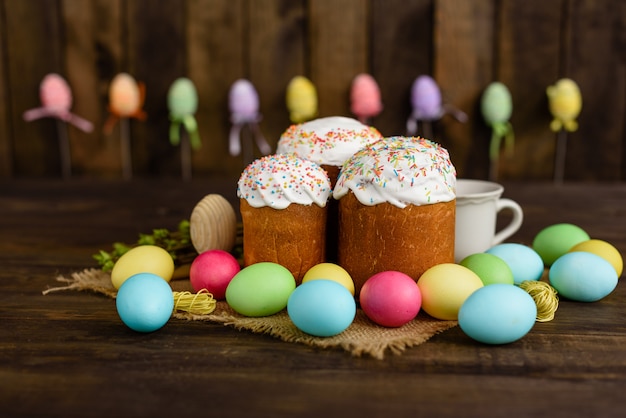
{"points": [[142, 259], [330, 271], [604, 250], [445, 287]]}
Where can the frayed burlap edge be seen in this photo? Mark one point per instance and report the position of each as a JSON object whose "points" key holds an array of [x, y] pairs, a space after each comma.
{"points": [[363, 337]]}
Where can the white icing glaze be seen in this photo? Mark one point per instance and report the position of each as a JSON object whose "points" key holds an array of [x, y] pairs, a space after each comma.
{"points": [[281, 179], [401, 171], [327, 141]]}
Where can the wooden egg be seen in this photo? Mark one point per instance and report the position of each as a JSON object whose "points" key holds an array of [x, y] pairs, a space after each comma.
{"points": [[213, 224]]}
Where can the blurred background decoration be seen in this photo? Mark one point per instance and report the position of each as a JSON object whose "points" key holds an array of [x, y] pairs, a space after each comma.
{"points": [[463, 45]]}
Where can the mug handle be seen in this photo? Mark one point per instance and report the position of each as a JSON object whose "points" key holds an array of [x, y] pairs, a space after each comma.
{"points": [[516, 222]]}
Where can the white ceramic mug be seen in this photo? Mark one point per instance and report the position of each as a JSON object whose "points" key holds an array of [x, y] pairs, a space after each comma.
{"points": [[478, 203]]}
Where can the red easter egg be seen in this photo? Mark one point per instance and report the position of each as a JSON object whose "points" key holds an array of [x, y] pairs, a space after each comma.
{"points": [[390, 298], [213, 270]]}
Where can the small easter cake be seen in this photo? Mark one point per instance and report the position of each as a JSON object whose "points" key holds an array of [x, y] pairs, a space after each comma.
{"points": [[397, 207], [328, 141], [283, 202]]}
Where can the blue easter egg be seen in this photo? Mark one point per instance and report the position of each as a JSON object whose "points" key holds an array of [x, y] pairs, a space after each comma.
{"points": [[322, 308], [524, 262], [583, 276], [145, 302], [498, 314]]}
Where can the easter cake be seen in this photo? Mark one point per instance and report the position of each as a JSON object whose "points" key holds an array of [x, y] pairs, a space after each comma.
{"points": [[397, 207], [329, 142], [283, 209]]}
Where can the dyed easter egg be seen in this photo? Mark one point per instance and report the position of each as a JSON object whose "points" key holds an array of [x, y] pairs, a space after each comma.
{"points": [[243, 100], [321, 307], [555, 240], [390, 298], [604, 250], [260, 289], [490, 268], [55, 93], [142, 259], [124, 95], [145, 302], [301, 99], [365, 99], [426, 98], [330, 271], [496, 103], [213, 270], [523, 261], [583, 276], [182, 97], [444, 288], [498, 314]]}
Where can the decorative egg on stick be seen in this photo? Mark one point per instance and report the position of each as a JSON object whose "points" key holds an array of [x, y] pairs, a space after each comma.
{"points": [[365, 101], [301, 99], [126, 99], [428, 106], [182, 101], [565, 103], [497, 107], [243, 101], [56, 101]]}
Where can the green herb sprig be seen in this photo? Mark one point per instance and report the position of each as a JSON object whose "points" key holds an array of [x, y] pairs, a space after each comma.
{"points": [[177, 243]]}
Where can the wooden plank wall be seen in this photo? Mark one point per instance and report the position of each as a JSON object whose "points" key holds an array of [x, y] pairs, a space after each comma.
{"points": [[464, 45]]}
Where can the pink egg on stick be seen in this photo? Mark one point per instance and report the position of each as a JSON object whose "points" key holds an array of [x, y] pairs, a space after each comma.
{"points": [[56, 101], [365, 100]]}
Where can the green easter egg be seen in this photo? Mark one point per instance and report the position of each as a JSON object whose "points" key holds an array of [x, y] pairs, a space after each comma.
{"points": [[261, 289], [555, 240], [490, 268]]}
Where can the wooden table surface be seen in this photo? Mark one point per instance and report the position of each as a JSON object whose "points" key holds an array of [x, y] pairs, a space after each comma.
{"points": [[68, 354]]}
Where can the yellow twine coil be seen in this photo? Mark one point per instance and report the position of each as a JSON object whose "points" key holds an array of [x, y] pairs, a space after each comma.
{"points": [[201, 303], [545, 297]]}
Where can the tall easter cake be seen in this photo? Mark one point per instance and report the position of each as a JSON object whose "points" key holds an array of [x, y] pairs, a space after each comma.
{"points": [[283, 202], [329, 142], [396, 208]]}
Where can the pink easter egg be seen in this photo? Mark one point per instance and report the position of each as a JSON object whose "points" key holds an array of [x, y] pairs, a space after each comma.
{"points": [[365, 96], [213, 270], [55, 93], [390, 298]]}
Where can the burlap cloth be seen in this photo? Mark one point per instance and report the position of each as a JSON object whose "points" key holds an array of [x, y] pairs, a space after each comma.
{"points": [[362, 337]]}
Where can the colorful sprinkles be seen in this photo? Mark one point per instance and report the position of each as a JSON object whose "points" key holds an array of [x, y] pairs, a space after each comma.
{"points": [[281, 179], [328, 141], [399, 170]]}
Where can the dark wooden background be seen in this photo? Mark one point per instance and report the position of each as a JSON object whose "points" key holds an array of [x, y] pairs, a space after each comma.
{"points": [[464, 45]]}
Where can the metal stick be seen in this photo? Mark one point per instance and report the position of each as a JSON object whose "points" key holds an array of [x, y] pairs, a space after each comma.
{"points": [[559, 161], [127, 165], [185, 155], [64, 147]]}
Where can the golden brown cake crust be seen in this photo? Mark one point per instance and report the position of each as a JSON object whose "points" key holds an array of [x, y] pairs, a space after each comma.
{"points": [[384, 237], [294, 237]]}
